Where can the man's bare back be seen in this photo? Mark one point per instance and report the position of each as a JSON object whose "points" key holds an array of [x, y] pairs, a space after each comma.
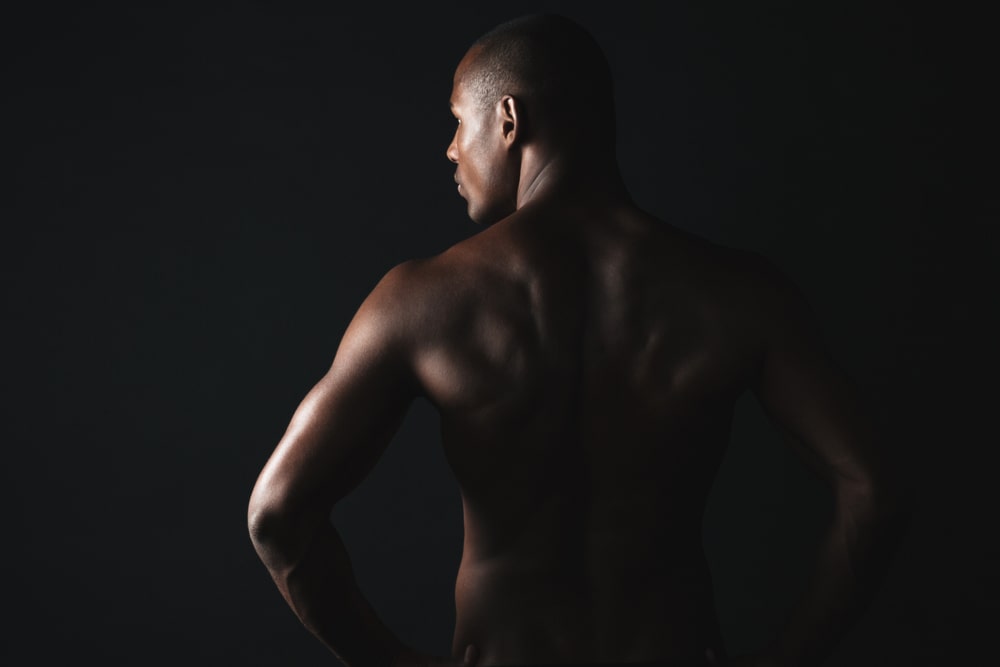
{"points": [[585, 359], [586, 363]]}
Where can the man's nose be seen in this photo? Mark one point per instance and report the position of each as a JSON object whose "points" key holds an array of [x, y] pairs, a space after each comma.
{"points": [[452, 152]]}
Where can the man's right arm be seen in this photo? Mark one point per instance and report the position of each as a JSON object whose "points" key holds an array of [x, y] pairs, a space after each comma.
{"points": [[809, 398]]}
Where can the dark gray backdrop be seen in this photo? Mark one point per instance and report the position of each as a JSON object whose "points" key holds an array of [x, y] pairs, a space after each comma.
{"points": [[198, 199]]}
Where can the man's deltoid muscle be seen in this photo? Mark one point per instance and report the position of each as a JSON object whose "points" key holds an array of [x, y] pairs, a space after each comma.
{"points": [[585, 359]]}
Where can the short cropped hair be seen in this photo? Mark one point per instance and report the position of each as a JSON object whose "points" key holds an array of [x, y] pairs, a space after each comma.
{"points": [[553, 64]]}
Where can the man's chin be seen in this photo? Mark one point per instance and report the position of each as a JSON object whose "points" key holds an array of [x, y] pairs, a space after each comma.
{"points": [[487, 217]]}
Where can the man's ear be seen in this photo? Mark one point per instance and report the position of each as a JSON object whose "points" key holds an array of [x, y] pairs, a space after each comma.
{"points": [[511, 120]]}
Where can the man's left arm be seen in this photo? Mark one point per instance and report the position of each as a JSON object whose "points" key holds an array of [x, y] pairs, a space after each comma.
{"points": [[335, 437]]}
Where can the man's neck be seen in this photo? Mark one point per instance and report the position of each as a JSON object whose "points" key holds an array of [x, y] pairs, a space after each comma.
{"points": [[545, 175]]}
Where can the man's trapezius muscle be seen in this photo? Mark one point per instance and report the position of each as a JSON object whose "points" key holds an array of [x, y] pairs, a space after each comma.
{"points": [[585, 359]]}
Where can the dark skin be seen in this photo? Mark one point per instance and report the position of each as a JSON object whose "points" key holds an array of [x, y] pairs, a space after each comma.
{"points": [[585, 359]]}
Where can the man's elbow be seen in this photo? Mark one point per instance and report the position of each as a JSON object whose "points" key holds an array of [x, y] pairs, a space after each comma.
{"points": [[263, 521], [887, 498], [278, 530]]}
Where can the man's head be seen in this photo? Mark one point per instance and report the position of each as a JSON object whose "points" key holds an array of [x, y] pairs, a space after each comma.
{"points": [[536, 80]]}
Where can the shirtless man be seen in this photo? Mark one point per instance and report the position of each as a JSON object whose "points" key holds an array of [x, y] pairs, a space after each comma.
{"points": [[585, 359]]}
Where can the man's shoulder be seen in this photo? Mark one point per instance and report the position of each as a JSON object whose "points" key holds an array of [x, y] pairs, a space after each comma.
{"points": [[404, 287], [766, 294], [433, 277], [748, 284], [758, 273], [747, 272], [419, 292]]}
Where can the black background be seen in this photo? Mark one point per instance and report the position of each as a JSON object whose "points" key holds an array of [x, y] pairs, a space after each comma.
{"points": [[199, 198]]}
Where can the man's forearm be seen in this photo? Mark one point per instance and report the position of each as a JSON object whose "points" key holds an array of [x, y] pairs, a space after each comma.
{"points": [[851, 563], [320, 587]]}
